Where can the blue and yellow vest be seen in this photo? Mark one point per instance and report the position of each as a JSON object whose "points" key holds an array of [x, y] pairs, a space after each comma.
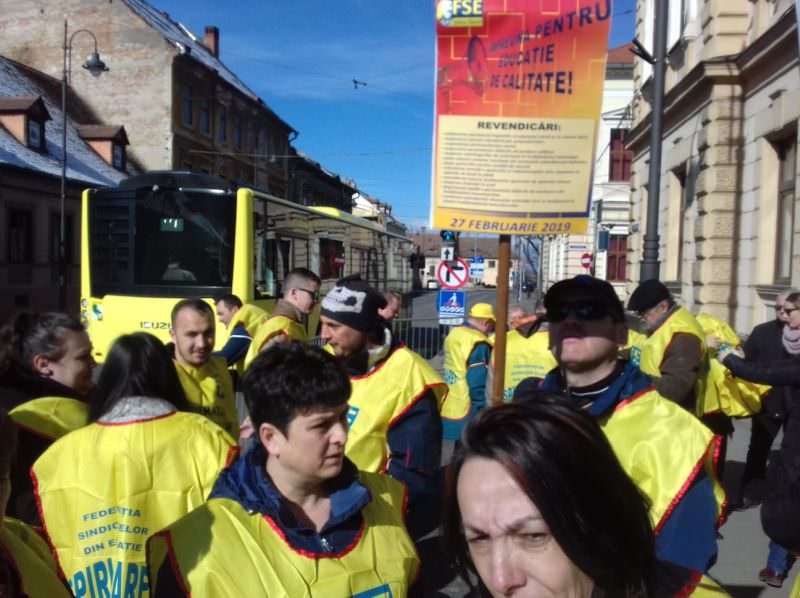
{"points": [[269, 329], [250, 317], [30, 557], [209, 390], [51, 417], [662, 448], [526, 358], [650, 354], [380, 397], [220, 550], [105, 488], [457, 348]]}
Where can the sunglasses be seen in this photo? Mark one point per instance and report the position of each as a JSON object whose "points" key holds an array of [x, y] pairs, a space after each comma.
{"points": [[314, 295], [588, 311], [784, 310]]}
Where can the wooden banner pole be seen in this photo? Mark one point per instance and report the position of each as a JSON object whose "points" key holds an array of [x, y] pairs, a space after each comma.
{"points": [[499, 351]]}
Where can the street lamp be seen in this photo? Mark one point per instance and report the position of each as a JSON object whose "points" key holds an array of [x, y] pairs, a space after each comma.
{"points": [[95, 66]]}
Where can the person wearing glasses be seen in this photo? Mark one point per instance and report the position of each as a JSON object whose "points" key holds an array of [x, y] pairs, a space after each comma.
{"points": [[674, 351], [289, 319], [772, 358], [666, 451]]}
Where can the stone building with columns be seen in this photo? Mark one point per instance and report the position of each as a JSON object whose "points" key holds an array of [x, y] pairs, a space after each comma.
{"points": [[727, 211]]}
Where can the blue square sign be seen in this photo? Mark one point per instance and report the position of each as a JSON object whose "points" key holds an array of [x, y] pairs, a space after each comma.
{"points": [[451, 307]]}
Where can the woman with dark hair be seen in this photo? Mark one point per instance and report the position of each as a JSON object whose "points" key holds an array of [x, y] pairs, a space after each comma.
{"points": [[141, 464], [537, 504], [138, 365], [26, 566], [45, 376]]}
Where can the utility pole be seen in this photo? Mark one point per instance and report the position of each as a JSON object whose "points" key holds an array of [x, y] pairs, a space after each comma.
{"points": [[650, 267]]}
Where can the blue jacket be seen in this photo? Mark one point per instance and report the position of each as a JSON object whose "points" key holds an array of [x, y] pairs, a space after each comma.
{"points": [[689, 535], [237, 345], [246, 481]]}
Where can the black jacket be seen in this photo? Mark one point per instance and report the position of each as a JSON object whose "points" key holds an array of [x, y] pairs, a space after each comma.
{"points": [[784, 372], [18, 386], [764, 345]]}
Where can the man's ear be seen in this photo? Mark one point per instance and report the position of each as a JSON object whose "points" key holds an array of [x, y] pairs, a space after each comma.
{"points": [[272, 439], [41, 365]]}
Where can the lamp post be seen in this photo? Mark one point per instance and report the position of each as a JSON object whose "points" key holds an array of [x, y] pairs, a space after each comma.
{"points": [[95, 66]]}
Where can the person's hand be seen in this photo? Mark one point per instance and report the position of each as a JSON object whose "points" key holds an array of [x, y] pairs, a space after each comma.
{"points": [[713, 342], [725, 350]]}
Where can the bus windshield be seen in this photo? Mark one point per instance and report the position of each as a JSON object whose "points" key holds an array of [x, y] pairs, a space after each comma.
{"points": [[161, 242]]}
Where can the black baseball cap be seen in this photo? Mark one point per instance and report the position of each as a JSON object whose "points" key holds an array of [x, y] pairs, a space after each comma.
{"points": [[585, 289], [648, 294]]}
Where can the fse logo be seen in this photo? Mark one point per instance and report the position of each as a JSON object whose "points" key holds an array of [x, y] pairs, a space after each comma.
{"points": [[460, 13]]}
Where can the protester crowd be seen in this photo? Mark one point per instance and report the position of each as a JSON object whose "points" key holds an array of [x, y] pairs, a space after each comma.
{"points": [[599, 476]]}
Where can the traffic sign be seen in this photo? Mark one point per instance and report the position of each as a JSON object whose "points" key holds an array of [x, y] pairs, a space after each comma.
{"points": [[476, 259], [586, 260], [448, 253], [453, 274], [451, 307]]}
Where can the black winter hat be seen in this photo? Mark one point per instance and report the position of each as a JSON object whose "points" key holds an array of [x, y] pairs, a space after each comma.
{"points": [[648, 294], [354, 303], [588, 288]]}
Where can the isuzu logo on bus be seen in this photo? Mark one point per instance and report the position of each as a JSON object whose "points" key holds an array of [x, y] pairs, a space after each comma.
{"points": [[154, 325]]}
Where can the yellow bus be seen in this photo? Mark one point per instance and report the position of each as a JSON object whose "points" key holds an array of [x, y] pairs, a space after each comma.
{"points": [[165, 236]]}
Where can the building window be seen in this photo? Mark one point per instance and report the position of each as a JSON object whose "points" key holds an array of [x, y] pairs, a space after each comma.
{"points": [[491, 264], [205, 116], [55, 235], [787, 156], [118, 156], [617, 258], [186, 106], [251, 140], [262, 142], [35, 135], [223, 124], [620, 159], [20, 235], [237, 133]]}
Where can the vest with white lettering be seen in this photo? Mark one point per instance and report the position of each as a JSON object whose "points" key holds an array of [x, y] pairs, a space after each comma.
{"points": [[457, 348], [222, 551], [271, 328], [209, 390], [526, 358], [51, 417], [649, 355], [29, 556], [380, 397], [104, 489]]}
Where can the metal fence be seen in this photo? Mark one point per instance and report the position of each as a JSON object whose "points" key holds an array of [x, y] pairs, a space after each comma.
{"points": [[423, 336]]}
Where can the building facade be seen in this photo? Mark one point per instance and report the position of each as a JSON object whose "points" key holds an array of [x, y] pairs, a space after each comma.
{"points": [[604, 247], [183, 108], [727, 216], [30, 188]]}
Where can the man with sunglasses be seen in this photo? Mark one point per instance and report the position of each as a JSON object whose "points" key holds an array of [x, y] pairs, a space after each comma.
{"points": [[666, 451], [289, 319]]}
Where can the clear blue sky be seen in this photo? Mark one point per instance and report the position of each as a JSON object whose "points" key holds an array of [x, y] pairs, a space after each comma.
{"points": [[301, 56]]}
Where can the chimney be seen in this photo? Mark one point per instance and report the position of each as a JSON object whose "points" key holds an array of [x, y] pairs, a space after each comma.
{"points": [[211, 40]]}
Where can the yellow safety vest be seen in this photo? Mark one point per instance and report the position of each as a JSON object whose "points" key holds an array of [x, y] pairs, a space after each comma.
{"points": [[28, 554], [526, 358], [209, 390], [220, 550], [380, 397], [51, 417], [736, 397], [661, 447], [250, 316], [457, 347], [650, 355], [269, 329], [104, 489]]}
